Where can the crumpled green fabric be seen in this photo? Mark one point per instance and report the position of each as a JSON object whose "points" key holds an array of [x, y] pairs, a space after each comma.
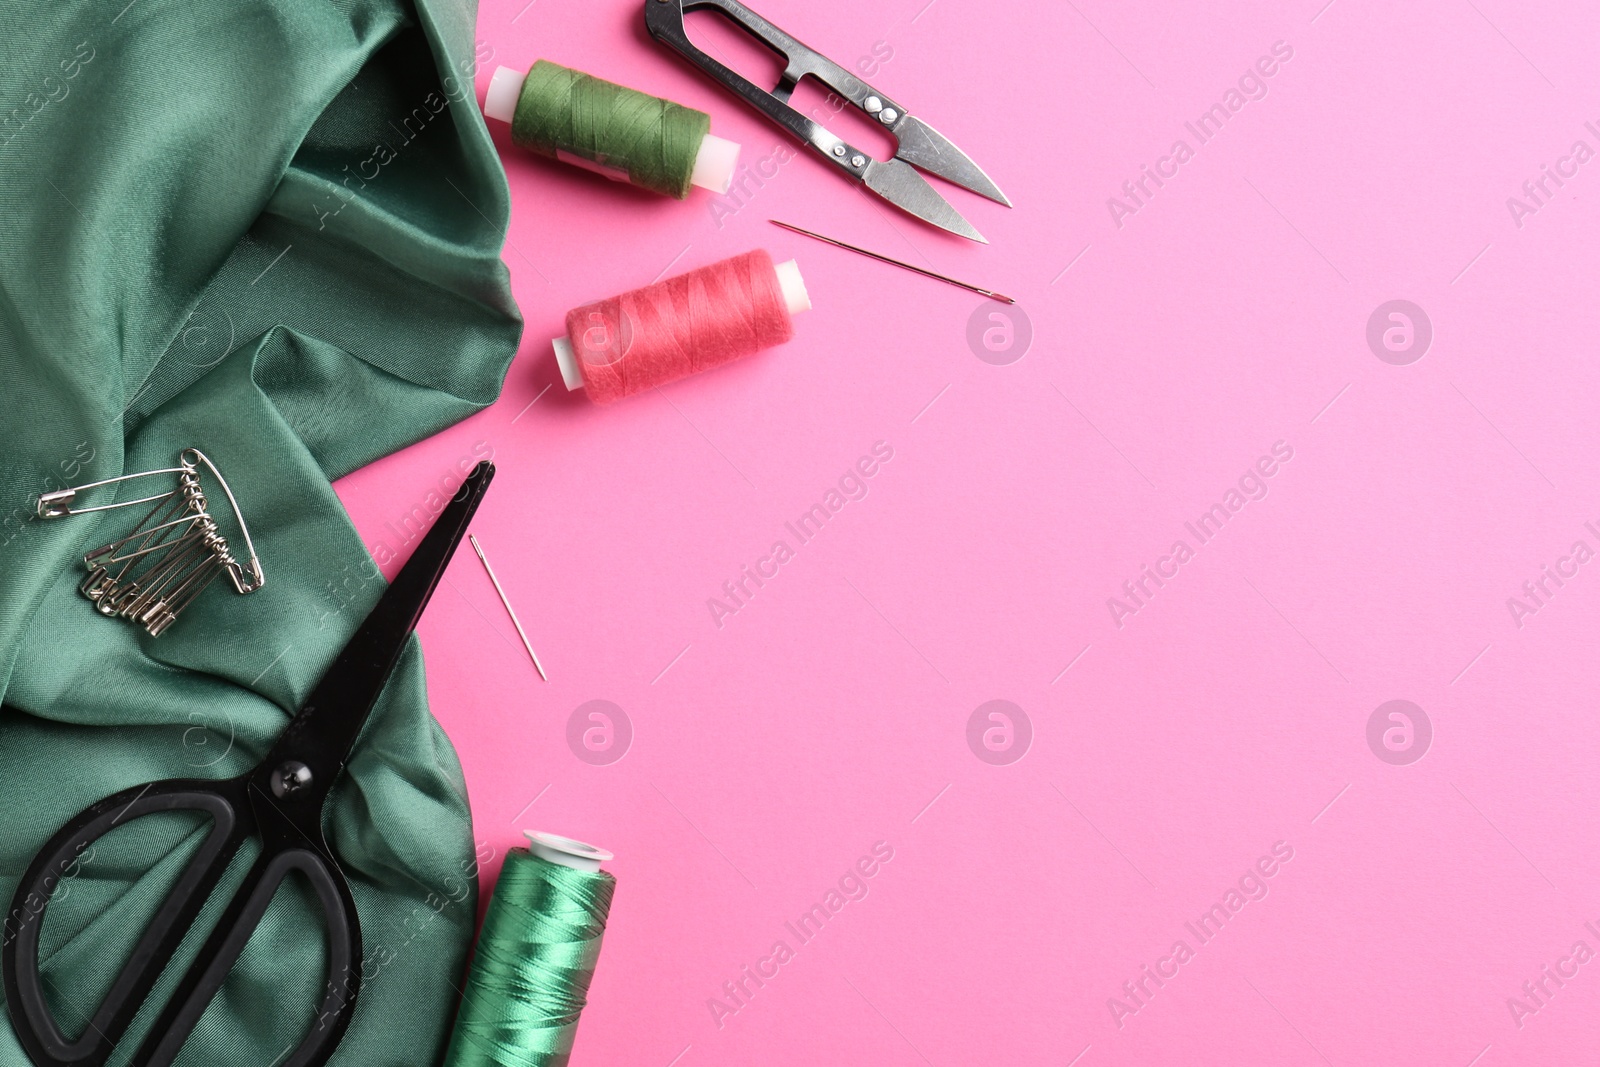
{"points": [[269, 229]]}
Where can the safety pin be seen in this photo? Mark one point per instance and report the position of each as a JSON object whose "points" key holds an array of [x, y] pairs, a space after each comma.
{"points": [[58, 504], [258, 578], [107, 553]]}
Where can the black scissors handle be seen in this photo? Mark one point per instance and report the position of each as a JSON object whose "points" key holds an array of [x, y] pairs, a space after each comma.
{"points": [[228, 938], [234, 816], [281, 802], [58, 863]]}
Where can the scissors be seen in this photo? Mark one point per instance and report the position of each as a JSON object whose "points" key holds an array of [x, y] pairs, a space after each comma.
{"points": [[917, 145], [281, 803]]}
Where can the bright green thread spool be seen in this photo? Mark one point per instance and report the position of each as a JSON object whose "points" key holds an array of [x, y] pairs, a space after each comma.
{"points": [[653, 141], [536, 955]]}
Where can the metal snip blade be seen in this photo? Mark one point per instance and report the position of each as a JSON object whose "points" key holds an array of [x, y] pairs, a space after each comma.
{"points": [[925, 147], [900, 184]]}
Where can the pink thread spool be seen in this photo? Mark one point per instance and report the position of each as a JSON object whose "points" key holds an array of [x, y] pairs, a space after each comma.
{"points": [[681, 326]]}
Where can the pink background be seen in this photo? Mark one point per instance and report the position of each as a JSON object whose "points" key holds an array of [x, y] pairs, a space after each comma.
{"points": [[1168, 755]]}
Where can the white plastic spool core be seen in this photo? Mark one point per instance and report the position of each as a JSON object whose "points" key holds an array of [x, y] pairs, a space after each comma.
{"points": [[500, 102], [795, 298], [571, 376], [567, 852], [793, 286], [714, 164]]}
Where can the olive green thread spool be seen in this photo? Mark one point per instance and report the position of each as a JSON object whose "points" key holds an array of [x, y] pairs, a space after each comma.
{"points": [[535, 957], [615, 131]]}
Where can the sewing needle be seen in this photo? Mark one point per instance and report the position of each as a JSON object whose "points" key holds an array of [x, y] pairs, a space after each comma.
{"points": [[990, 293], [514, 622]]}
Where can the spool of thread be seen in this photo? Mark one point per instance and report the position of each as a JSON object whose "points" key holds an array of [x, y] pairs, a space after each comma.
{"points": [[619, 132], [536, 955], [681, 326]]}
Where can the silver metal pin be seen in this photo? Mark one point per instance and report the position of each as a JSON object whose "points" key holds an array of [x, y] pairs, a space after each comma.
{"points": [[514, 621], [990, 293]]}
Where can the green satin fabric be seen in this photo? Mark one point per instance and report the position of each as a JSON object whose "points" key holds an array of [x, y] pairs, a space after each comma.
{"points": [[269, 229]]}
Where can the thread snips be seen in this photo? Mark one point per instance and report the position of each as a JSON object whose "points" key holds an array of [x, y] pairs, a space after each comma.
{"points": [[918, 146]]}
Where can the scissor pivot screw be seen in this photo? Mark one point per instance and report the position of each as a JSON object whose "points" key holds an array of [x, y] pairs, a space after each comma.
{"points": [[888, 115], [872, 103], [291, 777]]}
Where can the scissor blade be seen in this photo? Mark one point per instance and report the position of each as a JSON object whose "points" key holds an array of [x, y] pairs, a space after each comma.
{"points": [[321, 735], [902, 186], [925, 147]]}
